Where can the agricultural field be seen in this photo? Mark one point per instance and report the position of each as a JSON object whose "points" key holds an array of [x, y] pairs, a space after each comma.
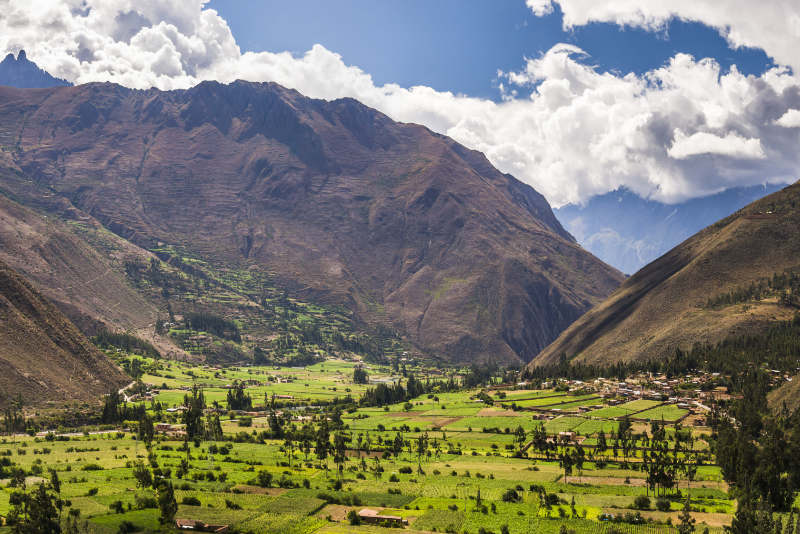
{"points": [[322, 381], [445, 461]]}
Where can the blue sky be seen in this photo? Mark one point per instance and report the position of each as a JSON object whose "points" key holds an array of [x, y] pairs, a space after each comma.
{"points": [[458, 45]]}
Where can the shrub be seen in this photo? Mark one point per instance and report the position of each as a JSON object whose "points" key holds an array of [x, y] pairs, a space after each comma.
{"points": [[264, 479], [353, 517], [126, 527], [117, 507], [191, 501], [91, 467], [642, 502], [662, 504], [511, 495]]}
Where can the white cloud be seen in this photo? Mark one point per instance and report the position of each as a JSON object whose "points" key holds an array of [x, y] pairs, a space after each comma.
{"points": [[731, 145], [773, 26], [562, 126], [790, 119]]}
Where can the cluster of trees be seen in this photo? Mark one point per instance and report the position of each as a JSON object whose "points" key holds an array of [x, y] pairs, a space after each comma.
{"points": [[127, 342], [759, 454], [214, 324], [786, 284], [384, 394], [778, 348], [480, 375], [14, 417], [238, 399], [115, 410]]}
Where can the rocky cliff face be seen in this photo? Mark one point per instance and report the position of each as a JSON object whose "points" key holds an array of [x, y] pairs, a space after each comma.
{"points": [[337, 201]]}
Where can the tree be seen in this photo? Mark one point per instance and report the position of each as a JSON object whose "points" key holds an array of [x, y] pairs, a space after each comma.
{"points": [[360, 375], [167, 505], [397, 445], [602, 445], [146, 430], [214, 428], [422, 449], [193, 414], [519, 438], [238, 399], [276, 425], [340, 451], [142, 474], [686, 525], [323, 442]]}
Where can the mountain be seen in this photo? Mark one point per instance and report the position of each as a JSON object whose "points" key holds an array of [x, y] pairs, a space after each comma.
{"points": [[24, 73], [628, 232], [334, 201], [697, 292], [43, 356]]}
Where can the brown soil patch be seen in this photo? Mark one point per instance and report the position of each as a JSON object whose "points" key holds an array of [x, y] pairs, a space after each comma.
{"points": [[352, 453], [444, 421], [338, 512]]}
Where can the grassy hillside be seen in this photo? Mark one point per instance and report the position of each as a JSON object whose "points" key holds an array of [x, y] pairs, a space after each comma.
{"points": [[737, 276]]}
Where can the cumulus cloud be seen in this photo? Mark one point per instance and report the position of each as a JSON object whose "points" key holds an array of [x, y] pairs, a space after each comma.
{"points": [[773, 26], [682, 130]]}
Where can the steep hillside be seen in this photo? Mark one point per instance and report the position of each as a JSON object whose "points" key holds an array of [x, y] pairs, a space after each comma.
{"points": [[85, 282], [718, 283], [43, 356], [334, 200]]}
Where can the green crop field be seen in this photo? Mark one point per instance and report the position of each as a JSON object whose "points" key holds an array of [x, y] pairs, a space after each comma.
{"points": [[471, 476]]}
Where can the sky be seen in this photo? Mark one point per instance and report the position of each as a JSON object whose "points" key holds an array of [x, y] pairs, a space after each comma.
{"points": [[672, 100], [459, 45]]}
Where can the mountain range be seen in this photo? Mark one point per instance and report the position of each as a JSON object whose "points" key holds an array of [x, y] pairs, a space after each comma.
{"points": [[337, 202]]}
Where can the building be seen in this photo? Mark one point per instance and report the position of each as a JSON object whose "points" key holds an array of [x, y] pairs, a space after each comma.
{"points": [[371, 517]]}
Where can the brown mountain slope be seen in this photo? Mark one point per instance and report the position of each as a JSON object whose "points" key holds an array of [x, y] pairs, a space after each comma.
{"points": [[81, 280], [334, 199], [43, 356], [664, 305]]}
